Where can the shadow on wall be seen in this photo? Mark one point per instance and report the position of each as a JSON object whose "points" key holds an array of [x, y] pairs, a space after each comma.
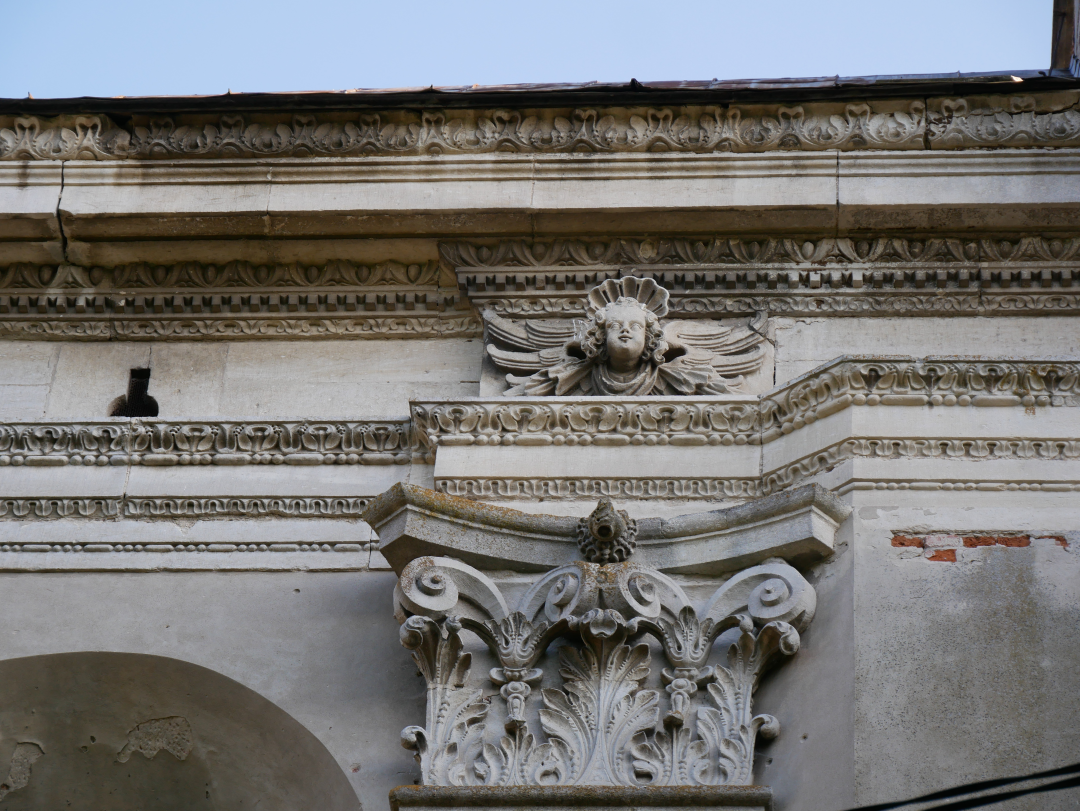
{"points": [[131, 732]]}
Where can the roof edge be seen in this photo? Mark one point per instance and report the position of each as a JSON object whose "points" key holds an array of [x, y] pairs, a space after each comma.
{"points": [[632, 93]]}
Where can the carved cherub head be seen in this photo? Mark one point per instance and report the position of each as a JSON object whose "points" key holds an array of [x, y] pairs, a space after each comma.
{"points": [[622, 334], [624, 323], [622, 349]]}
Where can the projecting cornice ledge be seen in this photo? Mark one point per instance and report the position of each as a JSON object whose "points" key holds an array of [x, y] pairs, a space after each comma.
{"points": [[798, 525]]}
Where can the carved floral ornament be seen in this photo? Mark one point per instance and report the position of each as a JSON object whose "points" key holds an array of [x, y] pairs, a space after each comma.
{"points": [[948, 124], [612, 720], [949, 382]]}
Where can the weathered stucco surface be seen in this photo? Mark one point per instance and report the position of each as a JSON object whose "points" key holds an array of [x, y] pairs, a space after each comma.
{"points": [[313, 644], [134, 731], [325, 379], [965, 670]]}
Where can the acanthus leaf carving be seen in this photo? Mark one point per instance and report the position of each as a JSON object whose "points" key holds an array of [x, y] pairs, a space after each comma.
{"points": [[450, 740], [602, 708], [601, 726]]}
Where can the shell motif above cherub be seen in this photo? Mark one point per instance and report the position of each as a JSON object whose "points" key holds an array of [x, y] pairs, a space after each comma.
{"points": [[623, 348]]}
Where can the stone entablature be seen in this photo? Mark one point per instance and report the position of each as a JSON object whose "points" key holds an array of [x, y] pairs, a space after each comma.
{"points": [[939, 123], [867, 412], [609, 422], [413, 521], [883, 275]]}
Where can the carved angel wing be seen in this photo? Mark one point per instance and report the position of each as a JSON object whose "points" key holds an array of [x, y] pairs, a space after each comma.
{"points": [[729, 351], [527, 346]]}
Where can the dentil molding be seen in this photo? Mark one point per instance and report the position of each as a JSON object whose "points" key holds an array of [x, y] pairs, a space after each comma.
{"points": [[1016, 121], [808, 274], [235, 300]]}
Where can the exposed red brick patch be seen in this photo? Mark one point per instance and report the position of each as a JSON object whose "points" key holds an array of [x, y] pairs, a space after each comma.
{"points": [[1015, 540], [904, 540], [945, 555], [971, 541], [1059, 540]]}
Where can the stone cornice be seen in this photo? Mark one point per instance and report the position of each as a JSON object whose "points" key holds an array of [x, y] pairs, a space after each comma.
{"points": [[798, 275], [236, 300], [732, 420], [801, 275], [413, 521], [1017, 121]]}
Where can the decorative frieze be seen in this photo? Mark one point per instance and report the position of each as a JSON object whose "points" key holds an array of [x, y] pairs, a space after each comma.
{"points": [[164, 548], [907, 381], [967, 449], [165, 443], [807, 252], [49, 508], [245, 507], [198, 277], [183, 507], [604, 421], [239, 328], [804, 275], [985, 485], [618, 421], [576, 487], [1017, 121]]}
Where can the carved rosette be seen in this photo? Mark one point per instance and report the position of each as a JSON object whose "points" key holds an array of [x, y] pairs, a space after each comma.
{"points": [[606, 725]]}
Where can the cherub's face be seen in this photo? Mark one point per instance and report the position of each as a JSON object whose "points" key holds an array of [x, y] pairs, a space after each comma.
{"points": [[626, 333]]}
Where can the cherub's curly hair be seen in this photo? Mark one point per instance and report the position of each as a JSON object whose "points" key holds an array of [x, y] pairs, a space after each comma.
{"points": [[594, 344]]}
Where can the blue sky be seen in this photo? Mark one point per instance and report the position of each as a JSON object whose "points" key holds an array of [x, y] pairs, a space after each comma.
{"points": [[66, 48]]}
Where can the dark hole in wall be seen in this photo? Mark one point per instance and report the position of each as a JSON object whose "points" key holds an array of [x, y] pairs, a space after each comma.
{"points": [[136, 403]]}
